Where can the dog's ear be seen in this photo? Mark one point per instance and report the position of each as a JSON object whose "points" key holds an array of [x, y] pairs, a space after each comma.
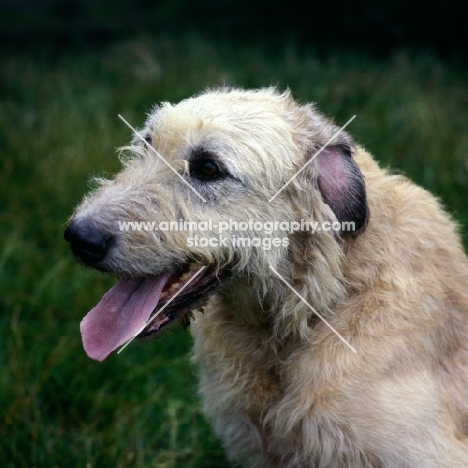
{"points": [[342, 186]]}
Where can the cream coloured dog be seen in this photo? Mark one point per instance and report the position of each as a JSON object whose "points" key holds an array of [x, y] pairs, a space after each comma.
{"points": [[325, 349]]}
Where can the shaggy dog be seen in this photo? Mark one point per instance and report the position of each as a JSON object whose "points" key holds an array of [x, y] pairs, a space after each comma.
{"points": [[324, 348]]}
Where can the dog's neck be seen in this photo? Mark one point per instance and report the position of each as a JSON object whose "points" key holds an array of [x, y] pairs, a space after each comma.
{"points": [[314, 274]]}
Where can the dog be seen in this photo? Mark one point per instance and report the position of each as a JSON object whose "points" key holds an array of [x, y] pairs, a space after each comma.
{"points": [[324, 348]]}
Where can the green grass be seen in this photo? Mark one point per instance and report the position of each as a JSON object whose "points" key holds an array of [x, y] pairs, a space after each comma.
{"points": [[58, 115]]}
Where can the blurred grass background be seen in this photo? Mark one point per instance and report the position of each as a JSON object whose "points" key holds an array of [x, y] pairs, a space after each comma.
{"points": [[59, 126]]}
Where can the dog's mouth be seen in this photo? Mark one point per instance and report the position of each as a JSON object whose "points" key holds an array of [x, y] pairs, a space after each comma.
{"points": [[147, 306]]}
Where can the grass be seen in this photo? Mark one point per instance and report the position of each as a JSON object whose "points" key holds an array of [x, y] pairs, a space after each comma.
{"points": [[58, 114]]}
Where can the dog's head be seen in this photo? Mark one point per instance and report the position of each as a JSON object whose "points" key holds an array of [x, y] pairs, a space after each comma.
{"points": [[220, 185]]}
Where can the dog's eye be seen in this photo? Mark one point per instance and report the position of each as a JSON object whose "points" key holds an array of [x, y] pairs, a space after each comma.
{"points": [[209, 168], [149, 140], [206, 169]]}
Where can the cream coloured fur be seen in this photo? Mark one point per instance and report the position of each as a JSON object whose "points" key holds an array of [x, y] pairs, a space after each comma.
{"points": [[279, 386]]}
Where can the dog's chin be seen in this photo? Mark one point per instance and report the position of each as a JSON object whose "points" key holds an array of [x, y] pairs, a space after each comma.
{"points": [[148, 306]]}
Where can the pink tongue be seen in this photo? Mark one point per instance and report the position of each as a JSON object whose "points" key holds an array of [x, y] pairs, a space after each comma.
{"points": [[121, 313]]}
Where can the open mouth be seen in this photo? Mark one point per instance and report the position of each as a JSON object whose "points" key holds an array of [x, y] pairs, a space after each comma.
{"points": [[142, 307]]}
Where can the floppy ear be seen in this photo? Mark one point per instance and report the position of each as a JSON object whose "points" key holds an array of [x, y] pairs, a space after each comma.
{"points": [[342, 186]]}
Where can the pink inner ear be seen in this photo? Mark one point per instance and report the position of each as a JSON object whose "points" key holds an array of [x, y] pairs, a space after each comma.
{"points": [[333, 176]]}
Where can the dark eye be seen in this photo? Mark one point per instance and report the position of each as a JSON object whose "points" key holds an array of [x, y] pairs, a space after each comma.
{"points": [[148, 139], [206, 169]]}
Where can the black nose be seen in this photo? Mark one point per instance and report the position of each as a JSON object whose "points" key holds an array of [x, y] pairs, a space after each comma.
{"points": [[87, 241]]}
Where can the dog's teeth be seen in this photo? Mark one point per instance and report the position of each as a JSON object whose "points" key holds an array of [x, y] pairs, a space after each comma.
{"points": [[174, 286], [163, 294], [185, 276]]}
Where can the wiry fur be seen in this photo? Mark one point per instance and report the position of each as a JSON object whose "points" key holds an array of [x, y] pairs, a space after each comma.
{"points": [[280, 387]]}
